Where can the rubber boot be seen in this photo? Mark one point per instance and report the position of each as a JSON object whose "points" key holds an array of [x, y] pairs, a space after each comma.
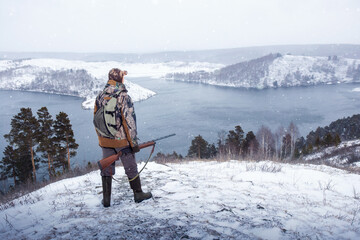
{"points": [[139, 195], [106, 184]]}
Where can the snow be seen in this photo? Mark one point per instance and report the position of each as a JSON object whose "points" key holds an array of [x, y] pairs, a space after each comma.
{"points": [[356, 90], [286, 71], [305, 65], [196, 200], [26, 72], [101, 69], [336, 155]]}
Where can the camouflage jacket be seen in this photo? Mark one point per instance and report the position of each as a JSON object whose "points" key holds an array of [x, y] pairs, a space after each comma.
{"points": [[125, 135]]}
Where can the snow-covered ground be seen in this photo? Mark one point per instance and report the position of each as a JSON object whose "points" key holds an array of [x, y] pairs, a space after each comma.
{"points": [[195, 200], [341, 155], [59, 76]]}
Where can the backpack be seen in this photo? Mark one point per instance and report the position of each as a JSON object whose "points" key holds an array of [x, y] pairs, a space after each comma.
{"points": [[105, 119]]}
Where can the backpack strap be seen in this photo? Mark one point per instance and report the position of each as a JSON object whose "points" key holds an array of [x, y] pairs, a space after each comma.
{"points": [[123, 120], [126, 128]]}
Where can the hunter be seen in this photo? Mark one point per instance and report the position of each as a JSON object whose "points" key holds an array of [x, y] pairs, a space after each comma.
{"points": [[124, 138]]}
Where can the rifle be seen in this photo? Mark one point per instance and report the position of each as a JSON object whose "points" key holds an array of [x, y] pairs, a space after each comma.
{"points": [[105, 162]]}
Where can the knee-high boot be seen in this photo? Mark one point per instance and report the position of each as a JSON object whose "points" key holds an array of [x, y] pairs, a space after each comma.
{"points": [[106, 184], [139, 195]]}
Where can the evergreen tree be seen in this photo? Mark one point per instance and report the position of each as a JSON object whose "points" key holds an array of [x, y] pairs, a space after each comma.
{"points": [[198, 148], [328, 140], [45, 137], [250, 145], [10, 164], [310, 148], [304, 150], [234, 141], [23, 137], [318, 142], [337, 140], [212, 150], [64, 141]]}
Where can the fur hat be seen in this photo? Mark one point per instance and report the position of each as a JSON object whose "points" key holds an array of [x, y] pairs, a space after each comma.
{"points": [[116, 74]]}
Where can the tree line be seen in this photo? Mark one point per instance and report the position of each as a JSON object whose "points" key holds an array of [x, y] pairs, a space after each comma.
{"points": [[283, 144], [35, 140], [236, 144]]}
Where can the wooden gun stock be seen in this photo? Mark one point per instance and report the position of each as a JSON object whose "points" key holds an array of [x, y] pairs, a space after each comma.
{"points": [[105, 162]]}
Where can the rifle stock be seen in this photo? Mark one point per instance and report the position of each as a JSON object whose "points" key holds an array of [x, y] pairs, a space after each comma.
{"points": [[105, 162]]}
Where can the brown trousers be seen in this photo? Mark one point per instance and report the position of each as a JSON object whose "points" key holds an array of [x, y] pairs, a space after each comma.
{"points": [[127, 158]]}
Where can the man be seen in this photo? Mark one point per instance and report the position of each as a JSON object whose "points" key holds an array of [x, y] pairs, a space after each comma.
{"points": [[124, 138]]}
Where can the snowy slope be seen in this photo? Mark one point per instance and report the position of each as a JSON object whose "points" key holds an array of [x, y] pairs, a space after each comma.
{"points": [[84, 79], [346, 154], [195, 200], [276, 70]]}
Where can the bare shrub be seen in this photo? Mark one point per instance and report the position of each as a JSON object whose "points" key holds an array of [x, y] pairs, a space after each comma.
{"points": [[329, 185], [266, 167]]}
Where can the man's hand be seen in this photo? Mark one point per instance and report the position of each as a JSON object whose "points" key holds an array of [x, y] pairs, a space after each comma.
{"points": [[136, 149]]}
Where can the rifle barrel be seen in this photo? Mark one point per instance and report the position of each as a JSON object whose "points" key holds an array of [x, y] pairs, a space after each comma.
{"points": [[171, 135]]}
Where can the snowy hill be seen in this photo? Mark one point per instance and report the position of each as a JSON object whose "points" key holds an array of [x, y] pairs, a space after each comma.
{"points": [[195, 200], [276, 70], [346, 154], [83, 79]]}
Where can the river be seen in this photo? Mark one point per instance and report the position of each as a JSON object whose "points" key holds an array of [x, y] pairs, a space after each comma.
{"points": [[189, 109]]}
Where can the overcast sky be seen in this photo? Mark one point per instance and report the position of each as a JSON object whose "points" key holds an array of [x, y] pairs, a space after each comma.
{"points": [[125, 26]]}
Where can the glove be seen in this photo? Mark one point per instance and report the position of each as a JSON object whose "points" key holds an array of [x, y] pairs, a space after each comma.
{"points": [[135, 149]]}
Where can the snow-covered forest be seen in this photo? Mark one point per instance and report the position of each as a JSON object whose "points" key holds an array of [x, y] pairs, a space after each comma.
{"points": [[276, 70]]}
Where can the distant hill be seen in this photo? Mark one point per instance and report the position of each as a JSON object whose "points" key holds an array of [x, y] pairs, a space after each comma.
{"points": [[223, 56], [57, 76], [276, 70], [84, 79]]}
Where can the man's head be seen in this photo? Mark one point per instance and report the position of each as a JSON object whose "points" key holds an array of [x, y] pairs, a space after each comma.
{"points": [[117, 74]]}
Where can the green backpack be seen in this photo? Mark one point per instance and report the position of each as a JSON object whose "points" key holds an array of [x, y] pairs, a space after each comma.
{"points": [[105, 119]]}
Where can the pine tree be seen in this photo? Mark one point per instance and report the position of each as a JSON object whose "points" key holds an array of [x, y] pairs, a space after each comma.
{"points": [[318, 142], [212, 150], [328, 140], [234, 140], [9, 164], [337, 140], [23, 137], [199, 148], [310, 148], [45, 137], [250, 145], [64, 140]]}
